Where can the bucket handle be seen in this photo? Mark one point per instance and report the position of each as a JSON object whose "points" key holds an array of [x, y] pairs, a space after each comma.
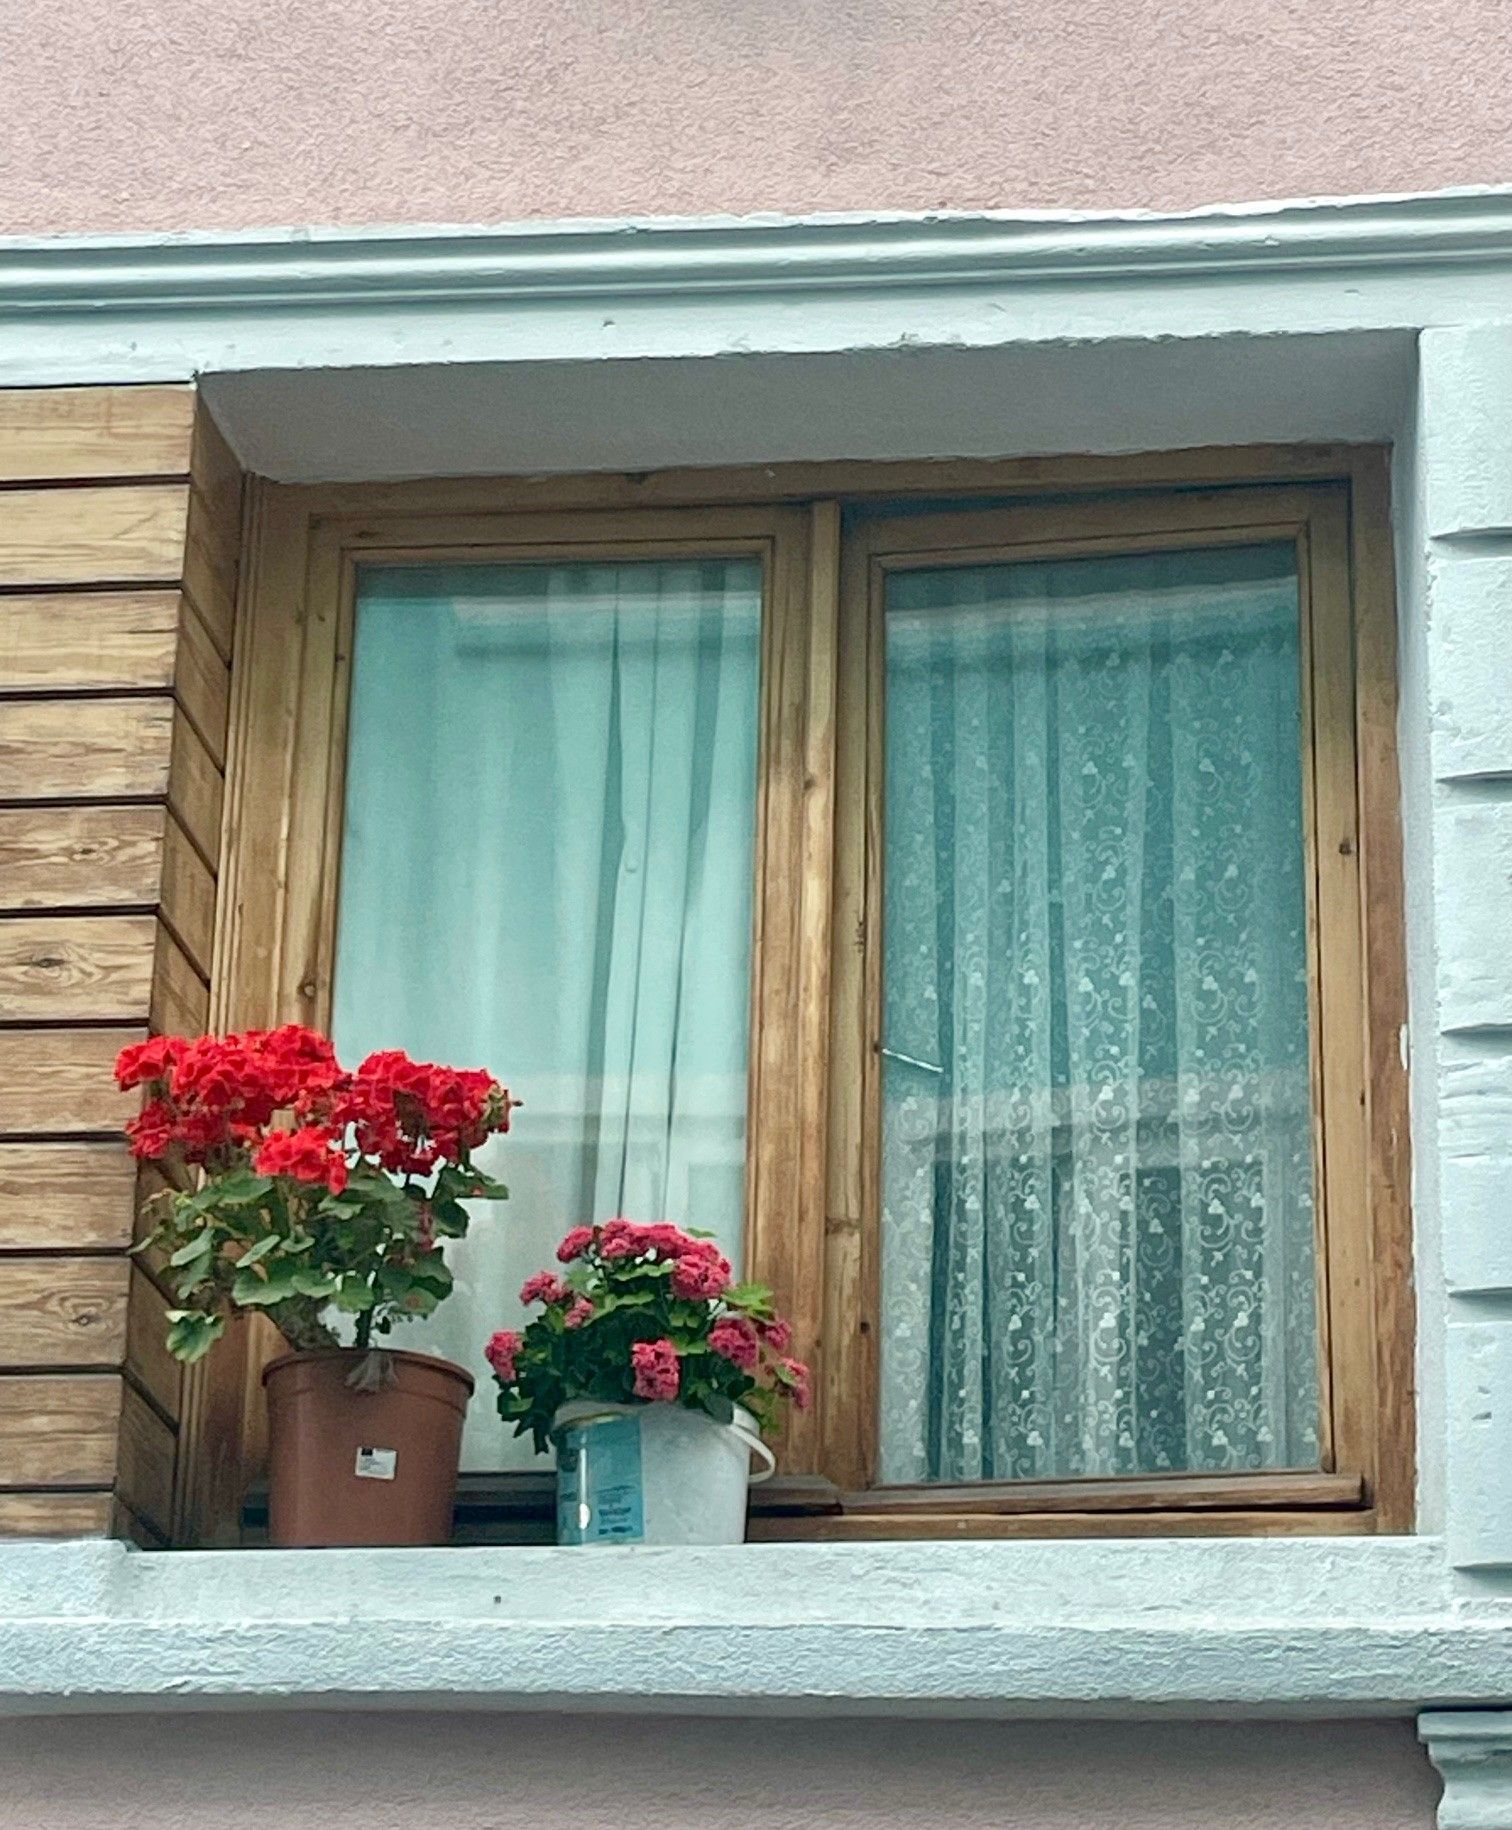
{"points": [[758, 1447]]}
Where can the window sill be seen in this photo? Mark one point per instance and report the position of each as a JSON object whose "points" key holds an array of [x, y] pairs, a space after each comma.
{"points": [[1344, 1625], [520, 1509]]}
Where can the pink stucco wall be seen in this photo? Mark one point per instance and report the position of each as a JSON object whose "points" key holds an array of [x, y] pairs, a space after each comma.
{"points": [[142, 114], [601, 1773]]}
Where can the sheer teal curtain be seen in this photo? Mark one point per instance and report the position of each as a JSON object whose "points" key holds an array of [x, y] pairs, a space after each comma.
{"points": [[1098, 1250], [546, 870]]}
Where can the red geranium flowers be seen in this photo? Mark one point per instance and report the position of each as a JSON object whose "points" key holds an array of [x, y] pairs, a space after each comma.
{"points": [[322, 1188], [216, 1098]]}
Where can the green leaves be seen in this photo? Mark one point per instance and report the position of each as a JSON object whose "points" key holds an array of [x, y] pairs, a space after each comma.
{"points": [[254, 1289], [192, 1333], [200, 1246], [290, 1248]]}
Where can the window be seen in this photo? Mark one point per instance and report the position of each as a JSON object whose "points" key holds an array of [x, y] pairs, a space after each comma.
{"points": [[971, 890]]}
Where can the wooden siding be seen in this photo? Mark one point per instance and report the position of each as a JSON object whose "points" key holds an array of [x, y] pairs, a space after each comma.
{"points": [[120, 512]]}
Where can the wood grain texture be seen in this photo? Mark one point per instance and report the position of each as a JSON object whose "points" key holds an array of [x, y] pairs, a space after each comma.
{"points": [[213, 534], [188, 896], [1338, 1025], [66, 434], [98, 534], [68, 1197], [95, 639], [59, 1431], [1132, 1494], [180, 998], [57, 1515], [846, 477], [862, 1528], [1383, 908], [148, 1362], [84, 749], [69, 968], [145, 1462], [63, 1311], [63, 1081], [195, 789], [83, 857], [202, 682]]}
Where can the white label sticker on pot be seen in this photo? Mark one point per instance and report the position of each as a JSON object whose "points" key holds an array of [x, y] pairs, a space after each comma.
{"points": [[376, 1464]]}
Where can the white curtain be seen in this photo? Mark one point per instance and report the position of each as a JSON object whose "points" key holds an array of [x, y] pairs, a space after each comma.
{"points": [[1098, 1250], [546, 871]]}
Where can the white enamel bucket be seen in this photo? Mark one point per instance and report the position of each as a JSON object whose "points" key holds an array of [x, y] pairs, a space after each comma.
{"points": [[654, 1474]]}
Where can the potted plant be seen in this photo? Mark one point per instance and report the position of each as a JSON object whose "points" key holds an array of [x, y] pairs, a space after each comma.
{"points": [[322, 1193], [654, 1375]]}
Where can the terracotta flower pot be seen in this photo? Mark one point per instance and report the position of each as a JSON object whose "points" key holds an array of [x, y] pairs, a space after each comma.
{"points": [[371, 1462]]}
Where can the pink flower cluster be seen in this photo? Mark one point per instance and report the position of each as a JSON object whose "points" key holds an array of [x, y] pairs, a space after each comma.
{"points": [[501, 1351], [656, 1370], [700, 1271], [546, 1287], [708, 1338]]}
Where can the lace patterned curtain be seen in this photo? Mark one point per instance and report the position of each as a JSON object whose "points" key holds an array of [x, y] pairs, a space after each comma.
{"points": [[1098, 1252]]}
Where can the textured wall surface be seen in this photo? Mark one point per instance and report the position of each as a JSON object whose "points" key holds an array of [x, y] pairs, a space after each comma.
{"points": [[134, 114], [499, 1772]]}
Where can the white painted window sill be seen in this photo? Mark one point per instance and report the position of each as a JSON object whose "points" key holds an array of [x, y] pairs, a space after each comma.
{"points": [[1305, 1626]]}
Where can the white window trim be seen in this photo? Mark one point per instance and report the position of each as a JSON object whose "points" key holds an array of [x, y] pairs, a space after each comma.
{"points": [[1340, 1625]]}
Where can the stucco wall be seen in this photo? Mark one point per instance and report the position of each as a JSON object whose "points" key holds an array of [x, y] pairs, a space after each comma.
{"points": [[174, 114], [495, 1773]]}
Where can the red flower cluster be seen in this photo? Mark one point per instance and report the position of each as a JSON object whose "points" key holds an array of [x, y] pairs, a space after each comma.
{"points": [[655, 1366], [311, 1154], [216, 1097], [411, 1115], [219, 1093]]}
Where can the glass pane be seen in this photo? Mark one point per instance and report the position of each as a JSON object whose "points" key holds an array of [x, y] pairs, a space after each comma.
{"points": [[547, 871], [1098, 1252]]}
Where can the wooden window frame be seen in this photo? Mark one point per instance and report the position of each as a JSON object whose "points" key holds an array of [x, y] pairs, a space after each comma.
{"points": [[812, 1207]]}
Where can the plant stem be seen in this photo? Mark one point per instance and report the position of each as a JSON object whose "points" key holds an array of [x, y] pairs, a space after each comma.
{"points": [[365, 1329]]}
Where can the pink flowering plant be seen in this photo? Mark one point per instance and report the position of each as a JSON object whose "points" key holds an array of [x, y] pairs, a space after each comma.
{"points": [[646, 1313]]}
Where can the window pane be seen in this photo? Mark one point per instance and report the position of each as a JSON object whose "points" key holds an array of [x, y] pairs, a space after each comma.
{"points": [[1098, 1251], [546, 870]]}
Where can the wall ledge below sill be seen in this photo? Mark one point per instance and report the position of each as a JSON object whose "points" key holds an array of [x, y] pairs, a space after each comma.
{"points": [[1201, 1627]]}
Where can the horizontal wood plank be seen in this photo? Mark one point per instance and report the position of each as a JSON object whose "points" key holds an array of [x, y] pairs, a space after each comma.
{"points": [[63, 1311], [71, 1197], [180, 997], [188, 896], [57, 1515], [195, 789], [1155, 1493], [144, 1464], [84, 749], [59, 434], [213, 536], [95, 639], [148, 1361], [202, 682], [63, 1081], [72, 968], [59, 1431], [210, 562], [103, 857], [860, 1528], [98, 534]]}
